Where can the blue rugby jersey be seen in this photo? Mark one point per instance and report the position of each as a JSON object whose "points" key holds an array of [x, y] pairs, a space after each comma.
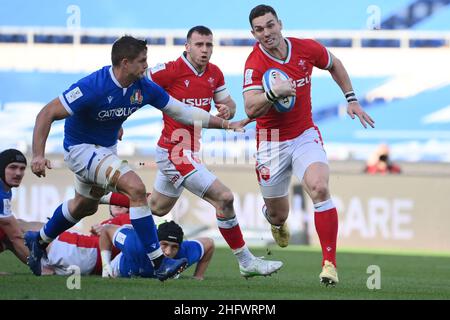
{"points": [[98, 106], [5, 201], [135, 262]]}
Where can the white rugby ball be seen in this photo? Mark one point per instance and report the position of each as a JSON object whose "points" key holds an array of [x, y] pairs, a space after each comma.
{"points": [[270, 77]]}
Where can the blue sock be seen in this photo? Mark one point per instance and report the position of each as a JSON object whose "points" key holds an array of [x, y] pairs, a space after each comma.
{"points": [[58, 223], [143, 224]]}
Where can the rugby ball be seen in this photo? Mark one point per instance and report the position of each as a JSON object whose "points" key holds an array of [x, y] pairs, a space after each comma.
{"points": [[272, 76]]}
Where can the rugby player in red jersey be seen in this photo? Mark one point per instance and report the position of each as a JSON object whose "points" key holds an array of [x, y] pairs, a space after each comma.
{"points": [[289, 142]]}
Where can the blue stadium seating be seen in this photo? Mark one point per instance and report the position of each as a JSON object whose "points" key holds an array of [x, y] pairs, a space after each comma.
{"points": [[398, 120], [13, 38]]}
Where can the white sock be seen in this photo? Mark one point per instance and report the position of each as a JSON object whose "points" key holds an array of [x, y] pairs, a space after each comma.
{"points": [[244, 256], [106, 198], [106, 257]]}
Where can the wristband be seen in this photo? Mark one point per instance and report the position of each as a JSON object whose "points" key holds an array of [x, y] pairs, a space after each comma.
{"points": [[268, 97], [228, 124], [350, 96]]}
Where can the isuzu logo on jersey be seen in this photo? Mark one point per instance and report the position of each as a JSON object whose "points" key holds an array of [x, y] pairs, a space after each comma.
{"points": [[197, 102], [117, 112], [303, 81], [136, 97]]}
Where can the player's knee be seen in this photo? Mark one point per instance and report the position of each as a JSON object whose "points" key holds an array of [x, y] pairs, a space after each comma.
{"points": [[157, 208], [226, 200], [209, 245], [278, 220], [158, 211], [80, 208], [136, 191], [277, 215], [319, 191]]}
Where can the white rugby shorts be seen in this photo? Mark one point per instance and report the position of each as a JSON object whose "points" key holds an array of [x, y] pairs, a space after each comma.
{"points": [[179, 171], [84, 160], [276, 161], [70, 249]]}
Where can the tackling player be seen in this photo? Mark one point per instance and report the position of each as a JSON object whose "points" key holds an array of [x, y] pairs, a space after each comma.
{"points": [[71, 248], [290, 143], [131, 260]]}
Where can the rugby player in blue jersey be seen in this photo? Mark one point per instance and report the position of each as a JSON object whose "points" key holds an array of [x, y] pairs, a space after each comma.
{"points": [[95, 108], [132, 261], [12, 170]]}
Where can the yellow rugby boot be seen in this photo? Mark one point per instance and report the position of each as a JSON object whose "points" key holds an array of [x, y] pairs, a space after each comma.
{"points": [[281, 235], [329, 275]]}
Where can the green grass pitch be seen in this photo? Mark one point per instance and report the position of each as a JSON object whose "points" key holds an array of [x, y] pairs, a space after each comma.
{"points": [[403, 276]]}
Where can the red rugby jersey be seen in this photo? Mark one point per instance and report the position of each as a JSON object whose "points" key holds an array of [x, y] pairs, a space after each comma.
{"points": [[303, 55], [183, 82]]}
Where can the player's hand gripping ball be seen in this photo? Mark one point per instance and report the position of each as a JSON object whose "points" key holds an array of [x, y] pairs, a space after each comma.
{"points": [[272, 76]]}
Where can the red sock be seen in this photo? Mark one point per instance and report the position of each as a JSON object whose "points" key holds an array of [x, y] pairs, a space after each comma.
{"points": [[233, 237], [327, 228], [118, 199]]}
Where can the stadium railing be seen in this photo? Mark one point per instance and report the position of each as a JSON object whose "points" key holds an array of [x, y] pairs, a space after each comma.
{"points": [[331, 38]]}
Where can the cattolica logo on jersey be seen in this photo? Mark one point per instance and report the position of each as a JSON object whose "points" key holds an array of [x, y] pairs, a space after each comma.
{"points": [[105, 115], [136, 97]]}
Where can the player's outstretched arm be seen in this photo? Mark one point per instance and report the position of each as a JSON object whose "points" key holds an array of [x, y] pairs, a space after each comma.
{"points": [[54, 110], [105, 246], [256, 103], [15, 235], [226, 108], [192, 116], [202, 265], [341, 77]]}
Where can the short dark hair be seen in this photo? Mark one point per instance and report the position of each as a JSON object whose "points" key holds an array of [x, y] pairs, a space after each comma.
{"points": [[127, 47], [259, 11], [205, 31]]}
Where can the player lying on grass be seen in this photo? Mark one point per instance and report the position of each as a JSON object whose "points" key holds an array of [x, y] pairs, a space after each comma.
{"points": [[71, 248], [263, 269], [132, 262]]}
